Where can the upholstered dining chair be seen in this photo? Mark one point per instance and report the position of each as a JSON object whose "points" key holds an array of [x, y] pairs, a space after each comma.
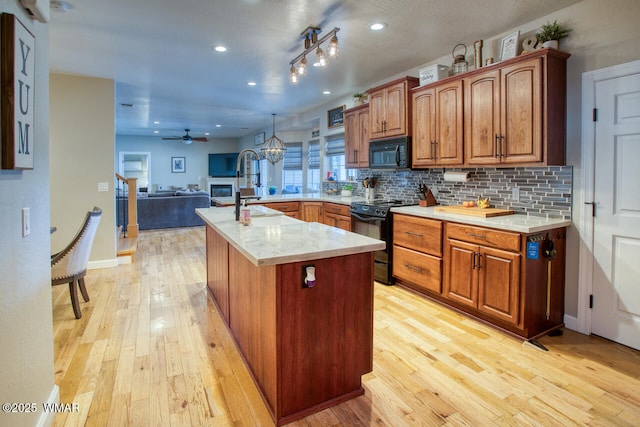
{"points": [[70, 264]]}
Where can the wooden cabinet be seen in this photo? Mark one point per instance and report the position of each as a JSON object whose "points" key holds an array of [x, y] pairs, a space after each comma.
{"points": [[500, 277], [337, 215], [311, 212], [417, 252], [291, 209], [515, 113], [438, 125], [356, 136], [389, 108], [482, 272]]}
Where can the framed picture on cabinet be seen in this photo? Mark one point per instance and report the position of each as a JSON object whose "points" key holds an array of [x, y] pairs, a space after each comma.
{"points": [[335, 117], [509, 46]]}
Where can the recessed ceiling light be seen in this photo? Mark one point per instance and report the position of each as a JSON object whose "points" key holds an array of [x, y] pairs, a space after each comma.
{"points": [[251, 83], [206, 134], [156, 131], [326, 92], [218, 126], [156, 122], [378, 26], [220, 48]]}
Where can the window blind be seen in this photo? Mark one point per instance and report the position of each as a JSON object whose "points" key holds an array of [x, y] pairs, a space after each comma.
{"points": [[314, 155], [335, 145], [293, 158]]}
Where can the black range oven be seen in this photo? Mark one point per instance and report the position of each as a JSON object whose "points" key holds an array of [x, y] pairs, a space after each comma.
{"points": [[374, 219]]}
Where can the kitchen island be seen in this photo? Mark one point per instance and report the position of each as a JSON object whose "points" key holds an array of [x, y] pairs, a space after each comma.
{"points": [[307, 345]]}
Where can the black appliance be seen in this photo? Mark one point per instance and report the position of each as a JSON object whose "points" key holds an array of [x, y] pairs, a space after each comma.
{"points": [[374, 219], [392, 153]]}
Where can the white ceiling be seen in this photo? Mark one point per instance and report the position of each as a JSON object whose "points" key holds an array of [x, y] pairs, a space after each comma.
{"points": [[159, 53]]}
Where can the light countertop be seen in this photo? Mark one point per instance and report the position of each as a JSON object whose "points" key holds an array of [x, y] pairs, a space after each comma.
{"points": [[274, 238], [521, 223], [305, 197]]}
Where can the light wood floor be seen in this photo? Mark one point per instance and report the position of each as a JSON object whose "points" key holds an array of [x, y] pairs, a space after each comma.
{"points": [[152, 350]]}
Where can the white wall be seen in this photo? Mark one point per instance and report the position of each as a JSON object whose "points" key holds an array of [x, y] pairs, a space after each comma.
{"points": [[196, 154], [26, 342], [82, 155]]}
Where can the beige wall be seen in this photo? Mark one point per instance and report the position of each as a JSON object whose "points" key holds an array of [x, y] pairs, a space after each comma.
{"points": [[26, 342], [82, 138]]}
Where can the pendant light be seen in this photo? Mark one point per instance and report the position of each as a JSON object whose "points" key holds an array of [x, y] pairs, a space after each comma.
{"points": [[274, 149]]}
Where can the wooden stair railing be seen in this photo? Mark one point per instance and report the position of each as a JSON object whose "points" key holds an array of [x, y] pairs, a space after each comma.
{"points": [[132, 206]]}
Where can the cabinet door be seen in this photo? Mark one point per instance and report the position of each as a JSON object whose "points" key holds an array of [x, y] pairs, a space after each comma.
{"points": [[312, 212], [461, 278], [449, 123], [351, 138], [395, 110], [424, 128], [521, 112], [376, 114], [362, 154], [499, 284], [482, 118], [343, 222]]}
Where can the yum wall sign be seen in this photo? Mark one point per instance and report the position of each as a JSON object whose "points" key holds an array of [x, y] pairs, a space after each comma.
{"points": [[17, 69]]}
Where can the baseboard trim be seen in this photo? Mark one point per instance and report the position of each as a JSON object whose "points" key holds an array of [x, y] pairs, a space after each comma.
{"points": [[46, 417], [103, 263], [572, 323]]}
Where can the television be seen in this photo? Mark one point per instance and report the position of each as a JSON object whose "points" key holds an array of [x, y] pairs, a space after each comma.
{"points": [[223, 165]]}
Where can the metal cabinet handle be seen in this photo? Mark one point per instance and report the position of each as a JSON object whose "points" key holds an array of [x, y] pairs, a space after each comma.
{"points": [[414, 268], [411, 233], [479, 236]]}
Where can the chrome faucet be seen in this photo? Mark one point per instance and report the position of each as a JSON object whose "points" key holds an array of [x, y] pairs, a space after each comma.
{"points": [[242, 153]]}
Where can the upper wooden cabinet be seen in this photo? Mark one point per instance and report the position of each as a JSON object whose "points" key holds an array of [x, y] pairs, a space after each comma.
{"points": [[356, 141], [438, 125], [390, 110], [515, 112]]}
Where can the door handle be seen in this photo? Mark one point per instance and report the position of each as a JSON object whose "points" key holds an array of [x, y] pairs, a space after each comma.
{"points": [[593, 207]]}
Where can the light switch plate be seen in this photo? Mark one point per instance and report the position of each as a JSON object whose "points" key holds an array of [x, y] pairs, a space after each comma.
{"points": [[26, 222], [103, 186]]}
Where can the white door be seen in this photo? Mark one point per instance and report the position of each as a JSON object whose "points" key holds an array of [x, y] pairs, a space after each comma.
{"points": [[616, 227]]}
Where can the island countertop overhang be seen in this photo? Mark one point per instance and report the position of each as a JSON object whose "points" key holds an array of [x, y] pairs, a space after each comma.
{"points": [[273, 238]]}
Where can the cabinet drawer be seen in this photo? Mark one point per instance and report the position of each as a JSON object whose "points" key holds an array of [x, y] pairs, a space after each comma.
{"points": [[284, 206], [484, 236], [336, 208], [421, 234], [424, 271]]}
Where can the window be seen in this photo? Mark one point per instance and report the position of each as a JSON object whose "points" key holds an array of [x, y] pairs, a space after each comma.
{"points": [[313, 167], [336, 159], [292, 168]]}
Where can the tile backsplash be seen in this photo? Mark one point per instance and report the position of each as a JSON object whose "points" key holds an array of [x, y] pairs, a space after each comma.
{"points": [[543, 191]]}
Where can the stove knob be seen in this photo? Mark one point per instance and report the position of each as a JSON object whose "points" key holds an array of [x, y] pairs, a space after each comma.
{"points": [[383, 212]]}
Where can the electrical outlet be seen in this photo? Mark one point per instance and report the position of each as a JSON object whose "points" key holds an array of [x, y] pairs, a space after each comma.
{"points": [[26, 222], [515, 194]]}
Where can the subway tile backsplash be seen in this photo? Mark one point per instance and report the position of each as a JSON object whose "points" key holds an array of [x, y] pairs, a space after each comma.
{"points": [[543, 191]]}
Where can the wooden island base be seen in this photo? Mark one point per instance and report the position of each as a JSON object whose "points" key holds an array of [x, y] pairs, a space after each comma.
{"points": [[306, 348]]}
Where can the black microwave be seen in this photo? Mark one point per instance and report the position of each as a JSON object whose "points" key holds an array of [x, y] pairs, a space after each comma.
{"points": [[392, 153]]}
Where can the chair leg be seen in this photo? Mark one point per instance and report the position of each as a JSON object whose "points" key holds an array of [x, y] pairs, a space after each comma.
{"points": [[73, 290], [83, 290]]}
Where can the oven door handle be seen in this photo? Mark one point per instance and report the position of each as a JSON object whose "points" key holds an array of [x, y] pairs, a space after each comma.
{"points": [[369, 219]]}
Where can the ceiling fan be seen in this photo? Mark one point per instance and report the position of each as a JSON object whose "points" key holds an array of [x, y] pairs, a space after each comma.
{"points": [[186, 138]]}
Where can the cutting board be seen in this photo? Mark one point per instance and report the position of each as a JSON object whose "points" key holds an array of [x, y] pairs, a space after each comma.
{"points": [[474, 211]]}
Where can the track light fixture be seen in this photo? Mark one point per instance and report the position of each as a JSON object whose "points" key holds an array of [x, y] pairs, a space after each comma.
{"points": [[311, 44]]}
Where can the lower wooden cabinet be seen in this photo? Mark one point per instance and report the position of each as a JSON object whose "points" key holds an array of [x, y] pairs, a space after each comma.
{"points": [[311, 211], [500, 277], [337, 215], [291, 209]]}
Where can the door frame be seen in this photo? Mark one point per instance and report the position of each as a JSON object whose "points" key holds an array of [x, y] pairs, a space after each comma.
{"points": [[585, 218]]}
